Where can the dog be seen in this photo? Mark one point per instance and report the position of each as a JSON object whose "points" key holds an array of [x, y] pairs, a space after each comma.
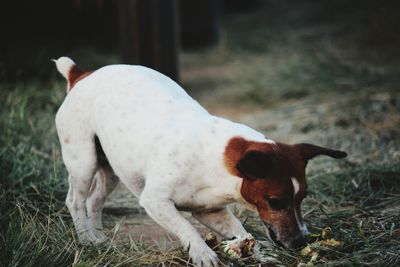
{"points": [[133, 124]]}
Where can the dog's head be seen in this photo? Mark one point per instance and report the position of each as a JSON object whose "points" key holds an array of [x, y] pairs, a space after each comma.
{"points": [[274, 183]]}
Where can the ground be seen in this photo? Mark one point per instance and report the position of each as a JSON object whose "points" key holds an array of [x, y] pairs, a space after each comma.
{"points": [[298, 72]]}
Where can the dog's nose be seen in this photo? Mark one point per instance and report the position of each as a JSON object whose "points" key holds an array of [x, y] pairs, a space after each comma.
{"points": [[299, 241]]}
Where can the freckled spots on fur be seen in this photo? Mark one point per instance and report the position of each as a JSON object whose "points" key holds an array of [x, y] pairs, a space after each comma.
{"points": [[82, 192], [141, 183], [187, 165], [178, 165]]}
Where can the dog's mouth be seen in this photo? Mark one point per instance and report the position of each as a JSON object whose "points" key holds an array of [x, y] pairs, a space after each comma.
{"points": [[272, 235]]}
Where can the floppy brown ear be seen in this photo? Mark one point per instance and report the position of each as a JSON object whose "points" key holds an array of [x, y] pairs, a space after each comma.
{"points": [[309, 151], [255, 164]]}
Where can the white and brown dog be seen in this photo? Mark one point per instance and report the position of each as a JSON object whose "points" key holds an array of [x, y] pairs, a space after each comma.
{"points": [[134, 125]]}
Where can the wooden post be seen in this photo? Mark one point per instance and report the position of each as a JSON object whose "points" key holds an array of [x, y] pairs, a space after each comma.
{"points": [[200, 23], [149, 34]]}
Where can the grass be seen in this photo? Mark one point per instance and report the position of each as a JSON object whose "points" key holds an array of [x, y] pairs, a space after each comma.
{"points": [[359, 204], [361, 207], [339, 96]]}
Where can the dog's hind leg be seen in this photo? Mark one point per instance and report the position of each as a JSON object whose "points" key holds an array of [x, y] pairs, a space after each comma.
{"points": [[103, 184], [79, 155]]}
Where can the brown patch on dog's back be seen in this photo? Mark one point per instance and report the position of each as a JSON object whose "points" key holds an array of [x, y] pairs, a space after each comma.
{"points": [[75, 75]]}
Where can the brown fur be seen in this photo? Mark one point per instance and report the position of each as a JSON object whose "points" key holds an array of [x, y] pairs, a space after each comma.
{"points": [[287, 162], [235, 150], [75, 75], [267, 170]]}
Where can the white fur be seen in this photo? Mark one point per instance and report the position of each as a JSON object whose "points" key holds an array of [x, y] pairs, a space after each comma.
{"points": [[163, 146], [63, 65], [299, 219], [296, 186]]}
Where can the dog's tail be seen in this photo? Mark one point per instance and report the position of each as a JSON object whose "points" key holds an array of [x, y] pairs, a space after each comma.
{"points": [[70, 71]]}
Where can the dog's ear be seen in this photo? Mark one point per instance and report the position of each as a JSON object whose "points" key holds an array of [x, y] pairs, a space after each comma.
{"points": [[255, 164], [309, 151]]}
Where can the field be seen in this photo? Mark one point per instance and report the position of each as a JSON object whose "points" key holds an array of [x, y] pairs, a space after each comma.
{"points": [[315, 76]]}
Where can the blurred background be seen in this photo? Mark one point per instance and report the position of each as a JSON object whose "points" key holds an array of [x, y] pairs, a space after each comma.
{"points": [[155, 32], [323, 72]]}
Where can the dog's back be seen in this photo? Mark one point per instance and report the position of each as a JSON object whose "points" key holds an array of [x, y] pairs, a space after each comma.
{"points": [[145, 121]]}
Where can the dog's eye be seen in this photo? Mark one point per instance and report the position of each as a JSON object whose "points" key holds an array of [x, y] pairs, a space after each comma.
{"points": [[277, 203]]}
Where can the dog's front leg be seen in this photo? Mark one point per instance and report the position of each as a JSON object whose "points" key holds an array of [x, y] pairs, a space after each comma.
{"points": [[221, 221], [163, 211]]}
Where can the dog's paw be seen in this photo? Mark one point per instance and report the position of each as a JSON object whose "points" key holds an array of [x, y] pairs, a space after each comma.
{"points": [[92, 237], [239, 247], [202, 256], [98, 237]]}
